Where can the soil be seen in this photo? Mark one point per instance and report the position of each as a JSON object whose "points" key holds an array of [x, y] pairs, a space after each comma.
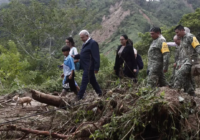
{"points": [[47, 118], [110, 23]]}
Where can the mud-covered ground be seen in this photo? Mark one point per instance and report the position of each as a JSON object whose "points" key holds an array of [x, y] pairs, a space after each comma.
{"points": [[82, 118]]}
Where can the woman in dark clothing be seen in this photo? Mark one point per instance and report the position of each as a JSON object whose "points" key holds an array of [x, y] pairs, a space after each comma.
{"points": [[125, 57]]}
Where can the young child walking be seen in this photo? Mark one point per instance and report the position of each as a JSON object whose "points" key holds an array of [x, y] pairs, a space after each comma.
{"points": [[68, 72]]}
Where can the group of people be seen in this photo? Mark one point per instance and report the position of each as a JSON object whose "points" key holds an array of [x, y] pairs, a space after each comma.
{"points": [[128, 62], [186, 55], [89, 60]]}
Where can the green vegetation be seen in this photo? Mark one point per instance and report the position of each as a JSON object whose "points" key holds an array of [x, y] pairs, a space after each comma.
{"points": [[165, 13], [32, 32]]}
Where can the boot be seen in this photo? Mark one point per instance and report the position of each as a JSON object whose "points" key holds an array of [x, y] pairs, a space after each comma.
{"points": [[192, 93]]}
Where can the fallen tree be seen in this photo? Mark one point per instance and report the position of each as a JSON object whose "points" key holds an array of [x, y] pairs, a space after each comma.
{"points": [[160, 113], [37, 132], [48, 99]]}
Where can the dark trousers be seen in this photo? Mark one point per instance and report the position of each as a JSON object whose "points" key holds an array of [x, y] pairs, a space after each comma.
{"points": [[89, 76], [71, 83]]}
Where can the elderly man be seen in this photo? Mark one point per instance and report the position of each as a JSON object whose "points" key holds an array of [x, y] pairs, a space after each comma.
{"points": [[190, 50], [90, 63], [176, 43]]}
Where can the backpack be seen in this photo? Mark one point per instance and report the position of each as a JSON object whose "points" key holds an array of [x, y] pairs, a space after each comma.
{"points": [[139, 62]]}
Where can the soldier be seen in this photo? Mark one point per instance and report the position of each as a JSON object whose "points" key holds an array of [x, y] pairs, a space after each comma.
{"points": [[158, 58], [190, 50], [176, 43]]}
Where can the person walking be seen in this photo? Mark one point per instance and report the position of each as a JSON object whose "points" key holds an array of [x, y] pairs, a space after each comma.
{"points": [[68, 72], [89, 62], [125, 56], [190, 49], [73, 51], [158, 59]]}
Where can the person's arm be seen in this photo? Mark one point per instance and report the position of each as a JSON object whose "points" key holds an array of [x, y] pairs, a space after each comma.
{"points": [[72, 68], [76, 60], [75, 52], [166, 55], [95, 55], [133, 60], [135, 52], [76, 56], [171, 44], [195, 44], [177, 54], [116, 66]]}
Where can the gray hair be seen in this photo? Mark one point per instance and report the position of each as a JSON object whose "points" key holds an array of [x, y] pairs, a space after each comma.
{"points": [[187, 30], [175, 37], [85, 32]]}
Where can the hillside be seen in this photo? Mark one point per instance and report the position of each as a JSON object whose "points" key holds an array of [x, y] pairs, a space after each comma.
{"points": [[133, 16], [32, 33], [3, 1]]}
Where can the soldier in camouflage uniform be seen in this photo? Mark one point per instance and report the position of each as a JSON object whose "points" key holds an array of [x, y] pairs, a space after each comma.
{"points": [[175, 44], [190, 48], [158, 58]]}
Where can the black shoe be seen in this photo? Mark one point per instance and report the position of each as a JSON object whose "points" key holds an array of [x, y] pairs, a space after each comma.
{"points": [[192, 94], [100, 94], [77, 98]]}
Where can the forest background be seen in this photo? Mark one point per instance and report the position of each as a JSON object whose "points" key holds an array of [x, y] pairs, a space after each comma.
{"points": [[32, 33]]}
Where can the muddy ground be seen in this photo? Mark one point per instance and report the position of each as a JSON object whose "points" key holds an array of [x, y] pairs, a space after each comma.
{"points": [[68, 122]]}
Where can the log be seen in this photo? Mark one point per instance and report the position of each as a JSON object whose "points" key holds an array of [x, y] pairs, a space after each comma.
{"points": [[37, 132], [48, 99]]}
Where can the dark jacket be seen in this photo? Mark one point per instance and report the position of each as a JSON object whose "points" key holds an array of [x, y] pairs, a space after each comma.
{"points": [[128, 59], [89, 56]]}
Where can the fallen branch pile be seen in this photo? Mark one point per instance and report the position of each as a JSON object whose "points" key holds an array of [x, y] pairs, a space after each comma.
{"points": [[146, 114], [37, 132]]}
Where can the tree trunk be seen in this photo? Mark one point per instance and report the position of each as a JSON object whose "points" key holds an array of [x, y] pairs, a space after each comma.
{"points": [[37, 132], [48, 99]]}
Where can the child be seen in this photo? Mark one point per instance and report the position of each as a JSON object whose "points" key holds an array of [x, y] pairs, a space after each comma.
{"points": [[68, 72]]}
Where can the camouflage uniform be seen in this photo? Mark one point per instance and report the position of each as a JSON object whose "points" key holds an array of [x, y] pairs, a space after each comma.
{"points": [[176, 58], [158, 58], [189, 51]]}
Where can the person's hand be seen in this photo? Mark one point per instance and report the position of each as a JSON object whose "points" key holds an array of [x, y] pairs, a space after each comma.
{"points": [[62, 76], [174, 65], [147, 72], [70, 77], [95, 71], [73, 56], [134, 70], [164, 71]]}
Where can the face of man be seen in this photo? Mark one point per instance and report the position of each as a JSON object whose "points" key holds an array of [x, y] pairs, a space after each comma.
{"points": [[154, 35], [180, 33], [84, 37], [177, 40]]}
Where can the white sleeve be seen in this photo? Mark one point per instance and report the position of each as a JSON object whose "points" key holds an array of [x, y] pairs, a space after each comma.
{"points": [[171, 44], [75, 51]]}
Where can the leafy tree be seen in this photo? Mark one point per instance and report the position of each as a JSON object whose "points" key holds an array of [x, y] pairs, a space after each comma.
{"points": [[192, 21], [11, 64]]}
